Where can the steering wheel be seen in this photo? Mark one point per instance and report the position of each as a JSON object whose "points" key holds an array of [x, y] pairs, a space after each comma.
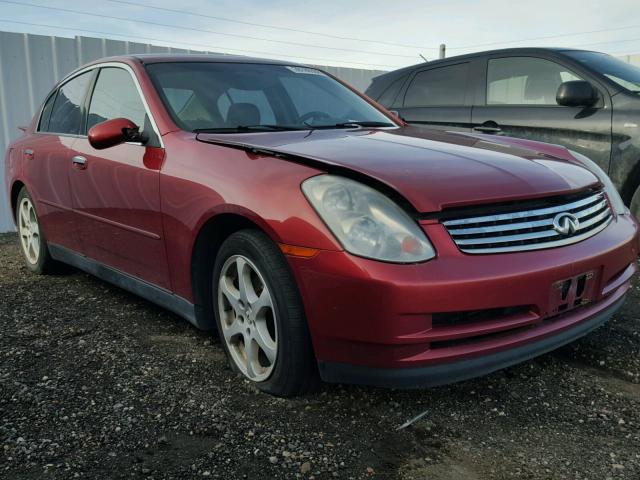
{"points": [[316, 114]]}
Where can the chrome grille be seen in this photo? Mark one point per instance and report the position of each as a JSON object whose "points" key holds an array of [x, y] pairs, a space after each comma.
{"points": [[530, 229]]}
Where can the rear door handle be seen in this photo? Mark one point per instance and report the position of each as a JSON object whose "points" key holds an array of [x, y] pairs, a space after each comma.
{"points": [[79, 162], [487, 129], [27, 154]]}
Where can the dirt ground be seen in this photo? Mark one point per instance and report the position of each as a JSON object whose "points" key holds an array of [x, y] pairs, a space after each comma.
{"points": [[96, 383]]}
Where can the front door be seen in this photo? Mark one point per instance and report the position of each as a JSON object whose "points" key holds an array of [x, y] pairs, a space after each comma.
{"points": [[521, 102], [116, 191], [438, 98]]}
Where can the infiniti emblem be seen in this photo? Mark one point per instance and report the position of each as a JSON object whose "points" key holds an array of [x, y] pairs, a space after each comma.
{"points": [[566, 223]]}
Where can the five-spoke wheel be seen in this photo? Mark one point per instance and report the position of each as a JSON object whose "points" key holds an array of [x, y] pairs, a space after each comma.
{"points": [[248, 318], [29, 230], [260, 316]]}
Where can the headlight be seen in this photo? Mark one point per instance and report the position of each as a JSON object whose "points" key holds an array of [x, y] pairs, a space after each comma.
{"points": [[609, 188], [366, 222]]}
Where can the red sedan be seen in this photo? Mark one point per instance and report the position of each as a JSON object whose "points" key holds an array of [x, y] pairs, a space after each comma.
{"points": [[318, 234]]}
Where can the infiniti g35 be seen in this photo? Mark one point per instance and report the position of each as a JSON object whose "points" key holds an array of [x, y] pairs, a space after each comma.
{"points": [[315, 231]]}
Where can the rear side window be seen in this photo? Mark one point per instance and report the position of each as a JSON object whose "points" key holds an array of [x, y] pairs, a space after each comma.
{"points": [[444, 86], [66, 115], [115, 96], [43, 124], [525, 81]]}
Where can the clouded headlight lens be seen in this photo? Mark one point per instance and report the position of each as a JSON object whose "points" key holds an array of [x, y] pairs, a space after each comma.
{"points": [[366, 222], [609, 188]]}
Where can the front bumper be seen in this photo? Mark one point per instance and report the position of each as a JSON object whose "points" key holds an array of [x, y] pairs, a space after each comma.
{"points": [[373, 322], [431, 376]]}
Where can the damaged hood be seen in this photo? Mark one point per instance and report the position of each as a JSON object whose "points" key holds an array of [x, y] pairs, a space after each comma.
{"points": [[431, 169]]}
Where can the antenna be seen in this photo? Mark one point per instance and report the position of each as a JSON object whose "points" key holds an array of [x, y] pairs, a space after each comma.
{"points": [[423, 57]]}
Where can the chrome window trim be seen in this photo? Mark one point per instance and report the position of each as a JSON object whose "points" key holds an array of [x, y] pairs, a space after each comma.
{"points": [[111, 64]]}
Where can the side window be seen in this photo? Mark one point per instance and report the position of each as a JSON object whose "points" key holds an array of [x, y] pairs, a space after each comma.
{"points": [[43, 124], [116, 96], [525, 81], [389, 95], [66, 115], [443, 86]]}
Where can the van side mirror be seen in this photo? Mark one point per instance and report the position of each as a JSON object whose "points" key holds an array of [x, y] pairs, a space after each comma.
{"points": [[576, 93], [114, 132]]}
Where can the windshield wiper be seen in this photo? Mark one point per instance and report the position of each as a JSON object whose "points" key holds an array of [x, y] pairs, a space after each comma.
{"points": [[354, 124], [248, 128]]}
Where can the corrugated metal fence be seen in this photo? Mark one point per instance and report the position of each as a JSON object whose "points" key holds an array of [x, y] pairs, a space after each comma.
{"points": [[31, 64]]}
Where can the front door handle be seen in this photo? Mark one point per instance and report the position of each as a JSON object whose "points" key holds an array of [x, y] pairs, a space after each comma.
{"points": [[79, 162], [487, 129]]}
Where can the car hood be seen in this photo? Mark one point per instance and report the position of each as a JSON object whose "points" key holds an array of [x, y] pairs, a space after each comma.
{"points": [[431, 169]]}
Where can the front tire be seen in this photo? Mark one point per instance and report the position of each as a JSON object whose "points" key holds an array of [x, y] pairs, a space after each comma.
{"points": [[260, 316], [33, 243]]}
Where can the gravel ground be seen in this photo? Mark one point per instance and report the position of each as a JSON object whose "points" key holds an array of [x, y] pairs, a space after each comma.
{"points": [[96, 383]]}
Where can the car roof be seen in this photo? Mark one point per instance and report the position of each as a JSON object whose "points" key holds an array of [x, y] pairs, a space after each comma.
{"points": [[148, 58], [509, 51]]}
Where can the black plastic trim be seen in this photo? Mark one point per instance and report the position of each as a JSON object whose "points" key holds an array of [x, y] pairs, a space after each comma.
{"points": [[159, 296]]}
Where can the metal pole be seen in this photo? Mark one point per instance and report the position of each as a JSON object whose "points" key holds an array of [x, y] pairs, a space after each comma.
{"points": [[443, 49]]}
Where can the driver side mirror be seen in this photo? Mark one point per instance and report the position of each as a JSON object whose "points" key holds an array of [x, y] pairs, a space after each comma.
{"points": [[114, 132], [576, 93]]}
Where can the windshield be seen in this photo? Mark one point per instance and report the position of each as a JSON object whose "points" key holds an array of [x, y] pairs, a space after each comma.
{"points": [[236, 97], [622, 73]]}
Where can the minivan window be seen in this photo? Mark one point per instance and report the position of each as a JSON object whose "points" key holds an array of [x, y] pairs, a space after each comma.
{"points": [[66, 115], [624, 74], [444, 86], [388, 97], [115, 96], [231, 95], [43, 124], [525, 81]]}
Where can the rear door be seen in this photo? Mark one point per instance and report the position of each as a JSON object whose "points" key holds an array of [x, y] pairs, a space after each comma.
{"points": [[48, 156], [520, 101], [439, 97], [116, 191]]}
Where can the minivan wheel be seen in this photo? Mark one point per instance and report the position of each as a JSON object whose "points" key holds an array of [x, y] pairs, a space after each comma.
{"points": [[635, 204], [260, 317], [32, 241]]}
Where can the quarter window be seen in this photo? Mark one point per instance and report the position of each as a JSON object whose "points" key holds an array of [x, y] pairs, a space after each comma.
{"points": [[525, 81], [444, 86], [43, 125], [66, 115], [116, 96]]}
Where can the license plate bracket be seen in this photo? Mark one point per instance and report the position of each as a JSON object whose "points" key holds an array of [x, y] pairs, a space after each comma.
{"points": [[572, 293]]}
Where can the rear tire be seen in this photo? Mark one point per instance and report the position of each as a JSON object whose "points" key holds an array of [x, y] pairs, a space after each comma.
{"points": [[260, 316], [635, 204], [33, 243]]}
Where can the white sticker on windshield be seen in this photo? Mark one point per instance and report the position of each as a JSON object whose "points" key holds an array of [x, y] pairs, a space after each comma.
{"points": [[305, 70]]}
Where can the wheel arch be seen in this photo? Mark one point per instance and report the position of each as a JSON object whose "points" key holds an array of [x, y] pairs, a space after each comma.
{"points": [[15, 191], [211, 234]]}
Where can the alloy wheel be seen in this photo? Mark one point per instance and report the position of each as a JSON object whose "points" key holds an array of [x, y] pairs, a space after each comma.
{"points": [[248, 318], [29, 231]]}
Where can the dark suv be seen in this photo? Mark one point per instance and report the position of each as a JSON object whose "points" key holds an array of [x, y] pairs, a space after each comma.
{"points": [[586, 101]]}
